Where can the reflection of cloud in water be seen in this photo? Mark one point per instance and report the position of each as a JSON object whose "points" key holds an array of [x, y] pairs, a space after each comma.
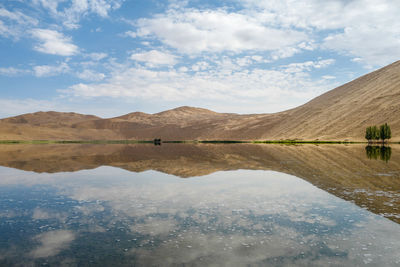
{"points": [[155, 226], [230, 197], [40, 214], [46, 214], [227, 218], [236, 218], [247, 190], [285, 247], [51, 243]]}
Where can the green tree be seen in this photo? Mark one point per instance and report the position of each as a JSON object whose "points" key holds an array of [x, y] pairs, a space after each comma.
{"points": [[385, 132], [388, 132], [368, 134], [375, 133]]}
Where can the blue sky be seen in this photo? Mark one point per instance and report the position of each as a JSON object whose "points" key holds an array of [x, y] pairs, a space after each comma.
{"points": [[253, 56]]}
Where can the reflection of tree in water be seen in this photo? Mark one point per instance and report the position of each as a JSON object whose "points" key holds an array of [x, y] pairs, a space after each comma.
{"points": [[381, 152]]}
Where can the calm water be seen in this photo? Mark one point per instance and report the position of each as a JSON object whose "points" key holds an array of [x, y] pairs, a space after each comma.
{"points": [[199, 205]]}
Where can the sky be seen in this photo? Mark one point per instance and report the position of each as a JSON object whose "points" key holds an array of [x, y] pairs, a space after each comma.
{"points": [[112, 57]]}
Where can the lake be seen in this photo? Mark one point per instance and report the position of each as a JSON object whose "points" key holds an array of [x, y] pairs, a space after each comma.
{"points": [[199, 205]]}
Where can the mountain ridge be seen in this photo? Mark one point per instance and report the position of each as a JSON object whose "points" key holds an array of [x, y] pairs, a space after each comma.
{"points": [[339, 114]]}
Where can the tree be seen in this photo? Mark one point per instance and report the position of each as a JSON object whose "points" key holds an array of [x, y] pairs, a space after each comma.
{"points": [[375, 133], [388, 132], [385, 132], [368, 134]]}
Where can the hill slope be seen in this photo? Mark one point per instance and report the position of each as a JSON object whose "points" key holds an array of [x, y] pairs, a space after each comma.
{"points": [[347, 110], [342, 113]]}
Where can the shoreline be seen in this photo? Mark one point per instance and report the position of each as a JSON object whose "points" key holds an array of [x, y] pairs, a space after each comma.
{"points": [[189, 142]]}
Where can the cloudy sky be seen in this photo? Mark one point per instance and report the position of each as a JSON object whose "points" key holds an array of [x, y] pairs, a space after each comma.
{"points": [[110, 57]]}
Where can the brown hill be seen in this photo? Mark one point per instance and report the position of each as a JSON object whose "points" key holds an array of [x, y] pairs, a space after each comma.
{"points": [[342, 113], [49, 126], [50, 119]]}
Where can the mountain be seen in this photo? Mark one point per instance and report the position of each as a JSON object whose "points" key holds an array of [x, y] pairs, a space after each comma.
{"points": [[342, 113], [50, 126], [50, 119]]}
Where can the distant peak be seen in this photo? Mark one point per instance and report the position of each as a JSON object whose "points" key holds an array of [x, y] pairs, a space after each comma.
{"points": [[186, 109], [53, 113], [138, 113], [131, 115]]}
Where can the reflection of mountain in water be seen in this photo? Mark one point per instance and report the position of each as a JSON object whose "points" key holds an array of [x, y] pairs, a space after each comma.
{"points": [[382, 152], [344, 171]]}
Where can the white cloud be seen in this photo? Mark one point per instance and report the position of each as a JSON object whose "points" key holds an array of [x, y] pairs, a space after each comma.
{"points": [[4, 31], [14, 23], [284, 52], [257, 58], [215, 54], [11, 71], [308, 65], [53, 42], [101, 7], [266, 90], [71, 14], [328, 77], [51, 5], [90, 75], [183, 69], [201, 65], [48, 70], [17, 16], [366, 29], [195, 31], [97, 56], [155, 58], [130, 34], [371, 45]]}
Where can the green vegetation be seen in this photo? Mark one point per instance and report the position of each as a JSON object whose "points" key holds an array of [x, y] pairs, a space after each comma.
{"points": [[75, 142], [26, 142], [222, 142], [103, 142], [159, 142], [373, 133], [385, 132], [303, 142], [206, 142]]}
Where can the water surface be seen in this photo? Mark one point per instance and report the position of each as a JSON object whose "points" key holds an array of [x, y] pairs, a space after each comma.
{"points": [[198, 205]]}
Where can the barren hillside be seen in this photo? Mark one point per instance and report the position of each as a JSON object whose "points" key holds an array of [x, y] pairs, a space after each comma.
{"points": [[342, 113]]}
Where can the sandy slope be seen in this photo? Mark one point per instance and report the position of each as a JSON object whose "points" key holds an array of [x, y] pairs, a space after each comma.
{"points": [[342, 113]]}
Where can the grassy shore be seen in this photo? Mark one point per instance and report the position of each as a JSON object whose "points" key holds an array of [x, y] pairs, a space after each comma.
{"points": [[182, 142]]}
